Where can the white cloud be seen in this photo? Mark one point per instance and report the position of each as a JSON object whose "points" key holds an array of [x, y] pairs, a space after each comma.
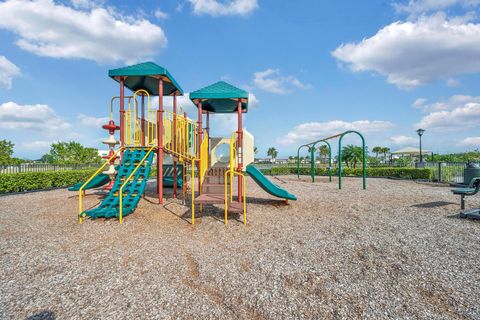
{"points": [[159, 14], [89, 121], [403, 140], [420, 103], [470, 141], [85, 4], [55, 30], [452, 83], [8, 70], [455, 101], [310, 131], [37, 118], [37, 144], [418, 52], [223, 7], [459, 118], [417, 7], [270, 80]]}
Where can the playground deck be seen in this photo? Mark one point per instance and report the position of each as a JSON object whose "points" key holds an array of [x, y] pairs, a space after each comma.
{"points": [[394, 250]]}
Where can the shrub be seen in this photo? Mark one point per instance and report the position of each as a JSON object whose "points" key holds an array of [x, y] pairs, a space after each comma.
{"points": [[26, 181]]}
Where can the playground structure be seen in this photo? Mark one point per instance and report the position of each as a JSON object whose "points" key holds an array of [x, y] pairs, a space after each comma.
{"points": [[312, 147], [211, 163]]}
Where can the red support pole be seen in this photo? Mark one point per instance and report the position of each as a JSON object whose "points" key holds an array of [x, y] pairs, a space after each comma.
{"points": [[207, 129], [174, 146], [199, 143], [200, 132], [240, 149], [186, 148], [122, 112], [143, 120], [160, 142]]}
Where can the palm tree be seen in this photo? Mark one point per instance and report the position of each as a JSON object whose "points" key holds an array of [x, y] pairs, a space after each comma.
{"points": [[352, 154], [272, 152], [255, 150], [323, 152], [377, 150], [385, 150]]}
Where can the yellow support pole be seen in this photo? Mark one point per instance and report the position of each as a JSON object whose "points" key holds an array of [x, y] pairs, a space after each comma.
{"points": [[193, 191]]}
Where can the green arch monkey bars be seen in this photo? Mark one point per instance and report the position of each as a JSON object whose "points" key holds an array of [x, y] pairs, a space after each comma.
{"points": [[312, 146]]}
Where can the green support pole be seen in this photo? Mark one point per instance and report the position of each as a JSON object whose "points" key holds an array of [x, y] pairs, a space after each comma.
{"points": [[364, 160], [312, 163], [298, 160], [329, 157]]}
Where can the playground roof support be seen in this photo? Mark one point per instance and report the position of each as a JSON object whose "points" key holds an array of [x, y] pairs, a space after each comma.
{"points": [[220, 97], [147, 76]]}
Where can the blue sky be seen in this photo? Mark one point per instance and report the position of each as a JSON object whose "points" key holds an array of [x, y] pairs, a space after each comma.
{"points": [[314, 68]]}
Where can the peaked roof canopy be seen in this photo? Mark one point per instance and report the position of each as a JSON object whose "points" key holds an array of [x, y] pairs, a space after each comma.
{"points": [[220, 97], [410, 150], [146, 76]]}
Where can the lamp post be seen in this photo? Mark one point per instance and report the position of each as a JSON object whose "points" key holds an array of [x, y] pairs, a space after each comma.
{"points": [[420, 133]]}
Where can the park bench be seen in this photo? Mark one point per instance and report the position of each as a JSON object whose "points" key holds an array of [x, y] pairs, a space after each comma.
{"points": [[472, 189]]}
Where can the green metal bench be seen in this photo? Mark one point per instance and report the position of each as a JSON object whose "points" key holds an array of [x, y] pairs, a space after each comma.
{"points": [[472, 189]]}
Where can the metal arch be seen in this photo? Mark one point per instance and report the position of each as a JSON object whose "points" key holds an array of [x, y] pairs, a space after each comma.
{"points": [[329, 159], [340, 158], [298, 158]]}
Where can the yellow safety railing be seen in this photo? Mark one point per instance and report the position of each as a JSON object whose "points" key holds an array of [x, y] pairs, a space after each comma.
{"points": [[233, 158], [192, 180], [120, 191], [133, 124], [80, 210], [185, 132], [113, 100], [229, 176], [203, 157], [134, 129]]}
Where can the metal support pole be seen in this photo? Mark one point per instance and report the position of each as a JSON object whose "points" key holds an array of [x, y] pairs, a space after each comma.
{"points": [[199, 143], [122, 112], [240, 149], [142, 121], [175, 146], [312, 162], [160, 142], [421, 156]]}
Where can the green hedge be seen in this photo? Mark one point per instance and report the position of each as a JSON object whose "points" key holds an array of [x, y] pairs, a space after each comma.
{"points": [[26, 181], [403, 173]]}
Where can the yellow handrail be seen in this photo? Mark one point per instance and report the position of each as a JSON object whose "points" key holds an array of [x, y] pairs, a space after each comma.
{"points": [[181, 146], [192, 179], [203, 157], [120, 191], [90, 179], [244, 193], [233, 158]]}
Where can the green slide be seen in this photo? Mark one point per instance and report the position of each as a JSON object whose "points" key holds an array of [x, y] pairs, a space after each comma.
{"points": [[133, 190], [267, 185], [96, 182], [168, 175]]}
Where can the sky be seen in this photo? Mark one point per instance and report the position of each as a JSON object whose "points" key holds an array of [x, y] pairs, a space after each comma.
{"points": [[312, 68]]}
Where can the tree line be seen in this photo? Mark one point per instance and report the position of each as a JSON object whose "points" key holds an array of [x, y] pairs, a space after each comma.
{"points": [[60, 153]]}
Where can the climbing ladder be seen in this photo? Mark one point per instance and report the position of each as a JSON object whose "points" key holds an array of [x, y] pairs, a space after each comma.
{"points": [[130, 184]]}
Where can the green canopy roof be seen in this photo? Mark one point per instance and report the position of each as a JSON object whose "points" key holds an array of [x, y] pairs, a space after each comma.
{"points": [[220, 97], [146, 76]]}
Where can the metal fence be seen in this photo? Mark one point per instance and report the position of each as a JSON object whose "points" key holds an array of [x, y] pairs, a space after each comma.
{"points": [[450, 172], [42, 167]]}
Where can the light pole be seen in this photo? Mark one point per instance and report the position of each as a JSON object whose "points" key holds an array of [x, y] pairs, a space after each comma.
{"points": [[420, 134]]}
